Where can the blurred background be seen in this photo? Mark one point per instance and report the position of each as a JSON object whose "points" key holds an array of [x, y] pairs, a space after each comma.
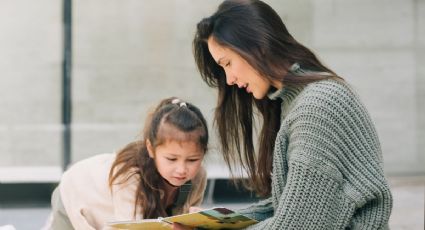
{"points": [[73, 87]]}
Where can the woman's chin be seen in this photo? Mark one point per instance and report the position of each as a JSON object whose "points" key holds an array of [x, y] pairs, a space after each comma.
{"points": [[257, 96]]}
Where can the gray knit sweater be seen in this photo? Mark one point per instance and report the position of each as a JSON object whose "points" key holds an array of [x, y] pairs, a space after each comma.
{"points": [[327, 164]]}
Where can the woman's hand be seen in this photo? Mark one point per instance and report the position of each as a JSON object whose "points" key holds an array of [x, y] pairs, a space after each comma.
{"points": [[177, 226]]}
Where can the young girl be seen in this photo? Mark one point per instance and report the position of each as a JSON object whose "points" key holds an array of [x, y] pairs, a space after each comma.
{"points": [[319, 161], [160, 175]]}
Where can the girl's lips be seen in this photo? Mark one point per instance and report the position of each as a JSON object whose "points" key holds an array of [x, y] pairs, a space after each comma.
{"points": [[180, 178]]}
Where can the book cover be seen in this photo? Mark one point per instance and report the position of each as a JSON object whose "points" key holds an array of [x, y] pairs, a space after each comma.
{"points": [[214, 218]]}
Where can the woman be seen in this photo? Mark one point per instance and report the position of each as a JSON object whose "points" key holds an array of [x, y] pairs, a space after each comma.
{"points": [[319, 161]]}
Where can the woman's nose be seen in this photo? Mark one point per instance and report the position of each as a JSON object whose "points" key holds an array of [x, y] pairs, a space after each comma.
{"points": [[230, 78]]}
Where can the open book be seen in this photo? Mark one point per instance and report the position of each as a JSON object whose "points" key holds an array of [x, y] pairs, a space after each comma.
{"points": [[214, 218]]}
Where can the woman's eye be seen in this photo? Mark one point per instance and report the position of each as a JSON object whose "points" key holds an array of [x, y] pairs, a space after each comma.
{"points": [[227, 64]]}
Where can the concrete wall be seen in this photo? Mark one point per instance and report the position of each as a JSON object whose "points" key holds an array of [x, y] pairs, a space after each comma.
{"points": [[127, 58], [30, 82], [129, 55], [420, 80], [376, 47]]}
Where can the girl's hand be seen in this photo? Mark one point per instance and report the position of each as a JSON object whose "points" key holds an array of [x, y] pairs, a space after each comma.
{"points": [[177, 226], [195, 209]]}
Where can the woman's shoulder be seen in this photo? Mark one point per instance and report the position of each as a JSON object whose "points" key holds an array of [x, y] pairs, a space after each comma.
{"points": [[328, 93], [328, 87], [327, 100]]}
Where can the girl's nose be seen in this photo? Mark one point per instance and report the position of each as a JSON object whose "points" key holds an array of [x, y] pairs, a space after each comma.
{"points": [[181, 168]]}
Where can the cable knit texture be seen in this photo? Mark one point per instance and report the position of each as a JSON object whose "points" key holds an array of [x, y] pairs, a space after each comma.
{"points": [[327, 164]]}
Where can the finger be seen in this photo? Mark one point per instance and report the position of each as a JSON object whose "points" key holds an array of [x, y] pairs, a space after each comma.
{"points": [[195, 209]]}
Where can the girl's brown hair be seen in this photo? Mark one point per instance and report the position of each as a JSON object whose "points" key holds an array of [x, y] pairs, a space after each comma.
{"points": [[255, 31], [170, 115]]}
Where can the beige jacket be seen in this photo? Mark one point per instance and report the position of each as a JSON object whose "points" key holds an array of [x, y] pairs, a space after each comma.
{"points": [[89, 202]]}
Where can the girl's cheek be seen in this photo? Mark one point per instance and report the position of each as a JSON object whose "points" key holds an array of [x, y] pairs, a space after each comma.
{"points": [[195, 169]]}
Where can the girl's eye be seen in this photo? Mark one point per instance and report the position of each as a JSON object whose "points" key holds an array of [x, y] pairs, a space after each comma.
{"points": [[227, 64], [171, 159], [193, 160]]}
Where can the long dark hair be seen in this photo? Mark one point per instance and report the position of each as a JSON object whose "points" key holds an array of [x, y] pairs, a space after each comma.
{"points": [[134, 158], [255, 31]]}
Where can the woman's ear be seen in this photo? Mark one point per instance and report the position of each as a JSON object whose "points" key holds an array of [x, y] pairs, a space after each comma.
{"points": [[150, 148]]}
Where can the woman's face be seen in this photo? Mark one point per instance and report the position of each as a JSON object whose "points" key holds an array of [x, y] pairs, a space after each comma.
{"points": [[238, 71], [177, 162]]}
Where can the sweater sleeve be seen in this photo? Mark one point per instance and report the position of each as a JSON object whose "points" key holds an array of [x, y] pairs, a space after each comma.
{"points": [[259, 211], [123, 197], [311, 200], [329, 142]]}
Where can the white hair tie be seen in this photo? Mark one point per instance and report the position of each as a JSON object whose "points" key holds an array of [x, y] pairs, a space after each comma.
{"points": [[177, 101]]}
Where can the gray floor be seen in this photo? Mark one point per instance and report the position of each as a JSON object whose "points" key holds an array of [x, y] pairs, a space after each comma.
{"points": [[408, 210]]}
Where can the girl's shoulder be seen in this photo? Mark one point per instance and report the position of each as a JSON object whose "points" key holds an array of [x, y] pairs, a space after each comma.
{"points": [[90, 165], [201, 176], [199, 181], [99, 159]]}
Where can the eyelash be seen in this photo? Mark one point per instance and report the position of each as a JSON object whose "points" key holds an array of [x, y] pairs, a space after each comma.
{"points": [[191, 160]]}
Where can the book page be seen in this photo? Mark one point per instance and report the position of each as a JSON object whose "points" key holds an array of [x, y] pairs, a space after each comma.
{"points": [[215, 218], [151, 224]]}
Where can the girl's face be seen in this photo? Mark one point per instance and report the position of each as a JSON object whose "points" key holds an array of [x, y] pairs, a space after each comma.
{"points": [[177, 162], [238, 71]]}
